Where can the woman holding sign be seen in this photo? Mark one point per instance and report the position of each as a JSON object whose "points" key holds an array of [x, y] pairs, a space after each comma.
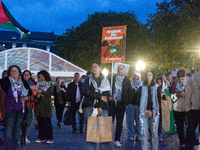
{"points": [[96, 90]]}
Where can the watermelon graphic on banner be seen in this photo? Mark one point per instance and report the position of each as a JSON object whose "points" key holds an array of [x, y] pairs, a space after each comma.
{"points": [[7, 21]]}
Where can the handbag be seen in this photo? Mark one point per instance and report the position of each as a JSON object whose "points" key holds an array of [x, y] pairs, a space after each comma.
{"points": [[99, 129], [95, 110], [68, 117]]}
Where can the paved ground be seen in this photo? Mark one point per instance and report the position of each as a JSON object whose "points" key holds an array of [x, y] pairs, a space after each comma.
{"points": [[65, 140]]}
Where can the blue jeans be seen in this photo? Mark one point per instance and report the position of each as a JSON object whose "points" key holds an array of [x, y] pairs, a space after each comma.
{"points": [[90, 145], [132, 114], [13, 120], [148, 122]]}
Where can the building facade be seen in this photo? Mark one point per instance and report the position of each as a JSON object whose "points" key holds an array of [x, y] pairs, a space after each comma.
{"points": [[41, 40]]}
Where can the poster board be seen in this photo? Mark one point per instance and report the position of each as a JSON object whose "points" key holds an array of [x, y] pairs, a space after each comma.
{"points": [[116, 66], [113, 44]]}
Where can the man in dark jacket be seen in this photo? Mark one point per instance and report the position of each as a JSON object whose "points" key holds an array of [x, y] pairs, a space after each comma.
{"points": [[74, 97], [121, 89]]}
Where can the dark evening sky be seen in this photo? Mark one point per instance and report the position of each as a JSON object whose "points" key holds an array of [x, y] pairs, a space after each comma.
{"points": [[59, 15]]}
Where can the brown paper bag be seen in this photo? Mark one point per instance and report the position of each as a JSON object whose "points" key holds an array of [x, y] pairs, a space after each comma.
{"points": [[166, 106], [99, 129]]}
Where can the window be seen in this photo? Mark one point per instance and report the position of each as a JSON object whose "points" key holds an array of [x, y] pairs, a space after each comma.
{"points": [[13, 45], [48, 48], [24, 45]]}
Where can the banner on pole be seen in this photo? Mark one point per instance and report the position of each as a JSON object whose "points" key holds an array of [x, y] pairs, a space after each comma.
{"points": [[113, 45]]}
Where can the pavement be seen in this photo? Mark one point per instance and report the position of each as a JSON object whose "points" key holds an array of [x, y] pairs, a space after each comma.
{"points": [[65, 140]]}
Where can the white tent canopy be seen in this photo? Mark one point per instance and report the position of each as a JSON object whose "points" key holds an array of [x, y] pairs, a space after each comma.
{"points": [[34, 59]]}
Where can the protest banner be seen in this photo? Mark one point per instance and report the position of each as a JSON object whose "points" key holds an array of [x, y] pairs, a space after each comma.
{"points": [[113, 46]]}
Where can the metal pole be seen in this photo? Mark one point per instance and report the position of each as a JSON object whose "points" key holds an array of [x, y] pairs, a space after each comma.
{"points": [[6, 60], [28, 60], [50, 63], [111, 80]]}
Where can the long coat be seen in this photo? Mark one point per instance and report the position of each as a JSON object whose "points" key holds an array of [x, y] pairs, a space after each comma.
{"points": [[43, 105]]}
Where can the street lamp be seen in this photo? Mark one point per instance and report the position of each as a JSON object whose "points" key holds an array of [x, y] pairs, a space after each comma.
{"points": [[105, 72], [140, 66]]}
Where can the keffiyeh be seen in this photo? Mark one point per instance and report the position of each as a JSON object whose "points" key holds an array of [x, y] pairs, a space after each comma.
{"points": [[18, 85], [136, 84], [105, 84], [44, 85]]}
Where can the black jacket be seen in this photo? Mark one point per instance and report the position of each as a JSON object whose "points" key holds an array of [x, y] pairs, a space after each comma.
{"points": [[91, 95], [64, 97], [5, 84], [135, 99], [71, 92], [126, 91]]}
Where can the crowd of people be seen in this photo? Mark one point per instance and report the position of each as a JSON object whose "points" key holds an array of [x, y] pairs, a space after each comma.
{"points": [[152, 108]]}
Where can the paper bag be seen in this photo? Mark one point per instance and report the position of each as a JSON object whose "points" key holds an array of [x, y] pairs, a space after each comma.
{"points": [[166, 106], [99, 129]]}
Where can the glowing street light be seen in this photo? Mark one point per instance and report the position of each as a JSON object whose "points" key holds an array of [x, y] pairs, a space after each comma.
{"points": [[105, 72], [140, 66]]}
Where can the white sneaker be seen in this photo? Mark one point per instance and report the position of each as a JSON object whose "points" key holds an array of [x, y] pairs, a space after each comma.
{"points": [[195, 147], [49, 141], [117, 143], [161, 139], [27, 141], [40, 141]]}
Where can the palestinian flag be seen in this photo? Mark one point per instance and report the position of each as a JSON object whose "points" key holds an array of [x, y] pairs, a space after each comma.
{"points": [[7, 21]]}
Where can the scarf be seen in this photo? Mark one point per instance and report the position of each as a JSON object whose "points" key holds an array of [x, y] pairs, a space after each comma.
{"points": [[18, 85], [29, 81], [164, 86], [143, 106], [117, 93], [119, 79], [136, 84], [44, 85], [105, 84], [180, 86]]}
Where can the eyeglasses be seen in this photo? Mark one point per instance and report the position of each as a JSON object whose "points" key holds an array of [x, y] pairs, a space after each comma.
{"points": [[13, 71]]}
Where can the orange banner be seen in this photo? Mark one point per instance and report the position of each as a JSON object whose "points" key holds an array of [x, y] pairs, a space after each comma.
{"points": [[113, 45]]}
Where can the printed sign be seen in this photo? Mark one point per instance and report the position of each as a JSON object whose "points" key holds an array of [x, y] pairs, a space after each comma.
{"points": [[116, 67], [113, 45]]}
